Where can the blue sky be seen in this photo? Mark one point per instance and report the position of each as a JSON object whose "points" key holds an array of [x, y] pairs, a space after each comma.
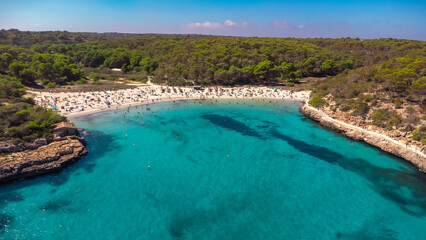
{"points": [[363, 19]]}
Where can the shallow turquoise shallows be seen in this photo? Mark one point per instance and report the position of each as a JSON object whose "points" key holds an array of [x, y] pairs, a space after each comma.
{"points": [[218, 170]]}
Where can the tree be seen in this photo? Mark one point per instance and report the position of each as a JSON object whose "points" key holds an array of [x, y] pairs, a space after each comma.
{"points": [[65, 71], [418, 89], [135, 59], [264, 70], [45, 71], [11, 88], [285, 69], [149, 65], [328, 67], [309, 66], [126, 68], [28, 75], [16, 67], [5, 60], [343, 65], [117, 58], [93, 58], [295, 76]]}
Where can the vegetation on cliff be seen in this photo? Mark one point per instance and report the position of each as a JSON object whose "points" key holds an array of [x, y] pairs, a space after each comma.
{"points": [[19, 117], [391, 95]]}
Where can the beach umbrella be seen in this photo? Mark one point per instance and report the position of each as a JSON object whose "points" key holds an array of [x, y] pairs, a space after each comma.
{"points": [[54, 107]]}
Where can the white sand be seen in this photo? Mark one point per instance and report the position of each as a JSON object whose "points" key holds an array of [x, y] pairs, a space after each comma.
{"points": [[81, 103]]}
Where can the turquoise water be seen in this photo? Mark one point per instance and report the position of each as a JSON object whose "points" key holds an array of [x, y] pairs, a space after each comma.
{"points": [[239, 170]]}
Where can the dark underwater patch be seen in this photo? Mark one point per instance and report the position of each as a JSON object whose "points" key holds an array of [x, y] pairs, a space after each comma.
{"points": [[191, 159], [7, 197], [56, 206], [10, 197], [57, 179], [189, 221], [380, 231], [389, 183], [231, 124], [5, 221]]}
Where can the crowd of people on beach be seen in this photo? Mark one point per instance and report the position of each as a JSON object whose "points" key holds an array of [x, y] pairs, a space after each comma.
{"points": [[79, 102]]}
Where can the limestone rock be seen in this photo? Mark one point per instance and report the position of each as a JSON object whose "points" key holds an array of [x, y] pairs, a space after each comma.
{"points": [[8, 147], [40, 141], [45, 159]]}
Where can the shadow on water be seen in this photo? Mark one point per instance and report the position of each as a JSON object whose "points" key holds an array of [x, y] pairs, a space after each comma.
{"points": [[380, 231], [185, 224], [6, 219], [392, 184], [389, 183], [57, 205], [99, 144], [10, 196], [231, 124], [10, 193]]}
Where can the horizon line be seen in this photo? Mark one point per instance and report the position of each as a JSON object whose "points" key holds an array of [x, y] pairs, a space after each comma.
{"points": [[207, 35]]}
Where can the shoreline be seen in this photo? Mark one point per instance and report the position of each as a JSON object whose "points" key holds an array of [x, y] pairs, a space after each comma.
{"points": [[161, 100], [157, 94], [76, 104], [375, 139]]}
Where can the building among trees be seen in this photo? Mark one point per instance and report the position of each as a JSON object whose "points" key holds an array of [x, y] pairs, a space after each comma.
{"points": [[63, 129]]}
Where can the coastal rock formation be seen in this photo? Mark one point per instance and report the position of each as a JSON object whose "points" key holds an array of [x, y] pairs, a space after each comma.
{"points": [[374, 139], [9, 146], [45, 159]]}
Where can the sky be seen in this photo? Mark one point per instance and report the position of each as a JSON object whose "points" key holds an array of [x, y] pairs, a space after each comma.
{"points": [[304, 18]]}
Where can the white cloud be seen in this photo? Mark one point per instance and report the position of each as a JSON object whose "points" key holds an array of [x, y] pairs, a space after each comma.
{"points": [[206, 25], [213, 25], [228, 27], [230, 23]]}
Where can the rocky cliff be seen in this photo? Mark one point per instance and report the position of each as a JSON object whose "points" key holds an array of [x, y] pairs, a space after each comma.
{"points": [[50, 158], [376, 140]]}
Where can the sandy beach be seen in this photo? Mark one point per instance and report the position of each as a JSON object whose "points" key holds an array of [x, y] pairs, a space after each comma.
{"points": [[77, 104]]}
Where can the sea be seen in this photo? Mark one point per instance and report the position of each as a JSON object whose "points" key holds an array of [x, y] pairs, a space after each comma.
{"points": [[225, 169]]}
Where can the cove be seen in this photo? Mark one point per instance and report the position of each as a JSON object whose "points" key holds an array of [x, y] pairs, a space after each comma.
{"points": [[232, 169]]}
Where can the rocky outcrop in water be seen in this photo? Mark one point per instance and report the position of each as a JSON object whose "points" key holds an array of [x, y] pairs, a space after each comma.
{"points": [[366, 136], [45, 159]]}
